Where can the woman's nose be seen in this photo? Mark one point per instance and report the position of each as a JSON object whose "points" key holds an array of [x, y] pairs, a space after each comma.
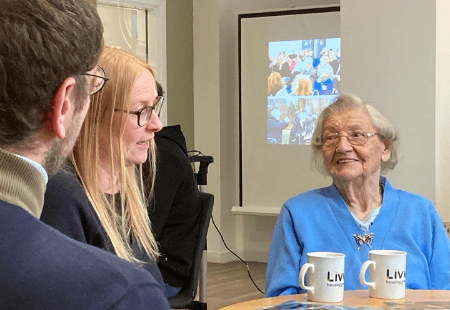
{"points": [[343, 144], [154, 124]]}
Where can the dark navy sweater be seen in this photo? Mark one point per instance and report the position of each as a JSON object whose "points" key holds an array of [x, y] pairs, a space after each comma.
{"points": [[67, 209], [41, 268]]}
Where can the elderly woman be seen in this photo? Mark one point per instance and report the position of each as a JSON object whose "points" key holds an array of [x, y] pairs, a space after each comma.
{"points": [[355, 144]]}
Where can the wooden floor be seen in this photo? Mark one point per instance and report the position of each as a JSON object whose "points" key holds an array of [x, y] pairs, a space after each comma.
{"points": [[229, 283]]}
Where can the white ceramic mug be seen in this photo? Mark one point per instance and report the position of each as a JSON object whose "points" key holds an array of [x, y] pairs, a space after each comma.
{"points": [[387, 274], [325, 271]]}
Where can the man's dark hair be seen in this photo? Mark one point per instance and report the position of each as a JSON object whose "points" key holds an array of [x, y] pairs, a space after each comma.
{"points": [[42, 42]]}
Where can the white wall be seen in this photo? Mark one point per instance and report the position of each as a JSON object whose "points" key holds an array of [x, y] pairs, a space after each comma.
{"points": [[395, 54], [442, 115]]}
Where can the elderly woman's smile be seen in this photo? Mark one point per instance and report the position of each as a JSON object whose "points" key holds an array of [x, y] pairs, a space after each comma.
{"points": [[346, 161]]}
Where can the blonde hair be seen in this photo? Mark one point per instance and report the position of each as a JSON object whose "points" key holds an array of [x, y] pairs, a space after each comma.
{"points": [[132, 220], [274, 79], [303, 88]]}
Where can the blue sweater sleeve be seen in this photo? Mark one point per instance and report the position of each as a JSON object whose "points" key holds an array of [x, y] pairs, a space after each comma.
{"points": [[440, 259], [284, 259], [419, 231]]}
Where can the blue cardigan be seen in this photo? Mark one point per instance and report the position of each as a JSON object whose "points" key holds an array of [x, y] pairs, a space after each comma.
{"points": [[319, 220]]}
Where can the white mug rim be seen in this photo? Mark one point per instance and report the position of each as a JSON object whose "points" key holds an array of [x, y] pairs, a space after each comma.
{"points": [[387, 252], [325, 254]]}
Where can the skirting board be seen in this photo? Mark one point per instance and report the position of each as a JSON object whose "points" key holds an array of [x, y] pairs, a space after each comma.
{"points": [[247, 255]]}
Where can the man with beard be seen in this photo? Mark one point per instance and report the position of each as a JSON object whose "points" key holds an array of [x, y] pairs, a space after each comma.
{"points": [[48, 55]]}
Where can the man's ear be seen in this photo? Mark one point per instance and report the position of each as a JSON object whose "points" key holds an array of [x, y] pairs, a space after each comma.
{"points": [[61, 108]]}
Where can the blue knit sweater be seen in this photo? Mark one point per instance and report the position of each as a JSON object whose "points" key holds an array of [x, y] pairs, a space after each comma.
{"points": [[319, 220]]}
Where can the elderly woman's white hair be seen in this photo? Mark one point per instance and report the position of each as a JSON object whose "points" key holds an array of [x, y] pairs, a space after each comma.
{"points": [[352, 102]]}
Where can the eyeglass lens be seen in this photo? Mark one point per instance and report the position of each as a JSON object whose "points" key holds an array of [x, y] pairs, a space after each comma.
{"points": [[353, 138], [97, 81], [146, 113]]}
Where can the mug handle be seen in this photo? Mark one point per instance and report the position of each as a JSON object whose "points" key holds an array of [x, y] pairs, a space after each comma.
{"points": [[301, 277], [363, 272]]}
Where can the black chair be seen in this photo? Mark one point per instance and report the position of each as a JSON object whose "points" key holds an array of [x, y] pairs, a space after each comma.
{"points": [[185, 298]]}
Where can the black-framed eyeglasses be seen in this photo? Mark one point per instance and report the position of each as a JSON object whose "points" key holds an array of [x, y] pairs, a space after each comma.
{"points": [[98, 81], [356, 138], [145, 114]]}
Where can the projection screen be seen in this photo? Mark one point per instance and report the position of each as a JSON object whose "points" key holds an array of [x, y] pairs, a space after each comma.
{"points": [[289, 70]]}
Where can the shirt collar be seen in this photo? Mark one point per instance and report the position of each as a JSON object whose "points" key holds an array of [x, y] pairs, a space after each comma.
{"points": [[36, 165]]}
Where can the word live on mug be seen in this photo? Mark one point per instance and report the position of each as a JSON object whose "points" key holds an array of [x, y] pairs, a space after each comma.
{"points": [[325, 276], [387, 274]]}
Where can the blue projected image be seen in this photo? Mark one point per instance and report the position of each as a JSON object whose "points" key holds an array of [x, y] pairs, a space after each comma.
{"points": [[303, 79]]}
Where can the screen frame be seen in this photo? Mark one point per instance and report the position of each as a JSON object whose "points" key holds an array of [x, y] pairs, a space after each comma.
{"points": [[241, 17]]}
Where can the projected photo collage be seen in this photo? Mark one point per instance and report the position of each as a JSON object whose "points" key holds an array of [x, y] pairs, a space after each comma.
{"points": [[303, 79]]}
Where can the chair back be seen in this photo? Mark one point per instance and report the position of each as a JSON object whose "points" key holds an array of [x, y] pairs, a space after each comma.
{"points": [[187, 294]]}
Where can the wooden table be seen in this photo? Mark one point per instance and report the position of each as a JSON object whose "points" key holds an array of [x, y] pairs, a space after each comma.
{"points": [[351, 298]]}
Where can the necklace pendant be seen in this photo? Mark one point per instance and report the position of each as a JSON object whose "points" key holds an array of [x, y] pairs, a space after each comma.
{"points": [[366, 238]]}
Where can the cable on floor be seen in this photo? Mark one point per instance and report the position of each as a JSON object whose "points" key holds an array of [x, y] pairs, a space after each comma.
{"points": [[246, 264]]}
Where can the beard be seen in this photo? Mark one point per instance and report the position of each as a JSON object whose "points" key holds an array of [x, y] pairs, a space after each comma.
{"points": [[54, 160], [60, 150]]}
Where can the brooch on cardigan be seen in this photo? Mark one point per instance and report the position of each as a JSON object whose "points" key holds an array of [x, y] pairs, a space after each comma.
{"points": [[366, 238]]}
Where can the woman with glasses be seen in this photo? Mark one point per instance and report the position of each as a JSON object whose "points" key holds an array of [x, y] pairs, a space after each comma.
{"points": [[97, 199], [361, 211]]}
